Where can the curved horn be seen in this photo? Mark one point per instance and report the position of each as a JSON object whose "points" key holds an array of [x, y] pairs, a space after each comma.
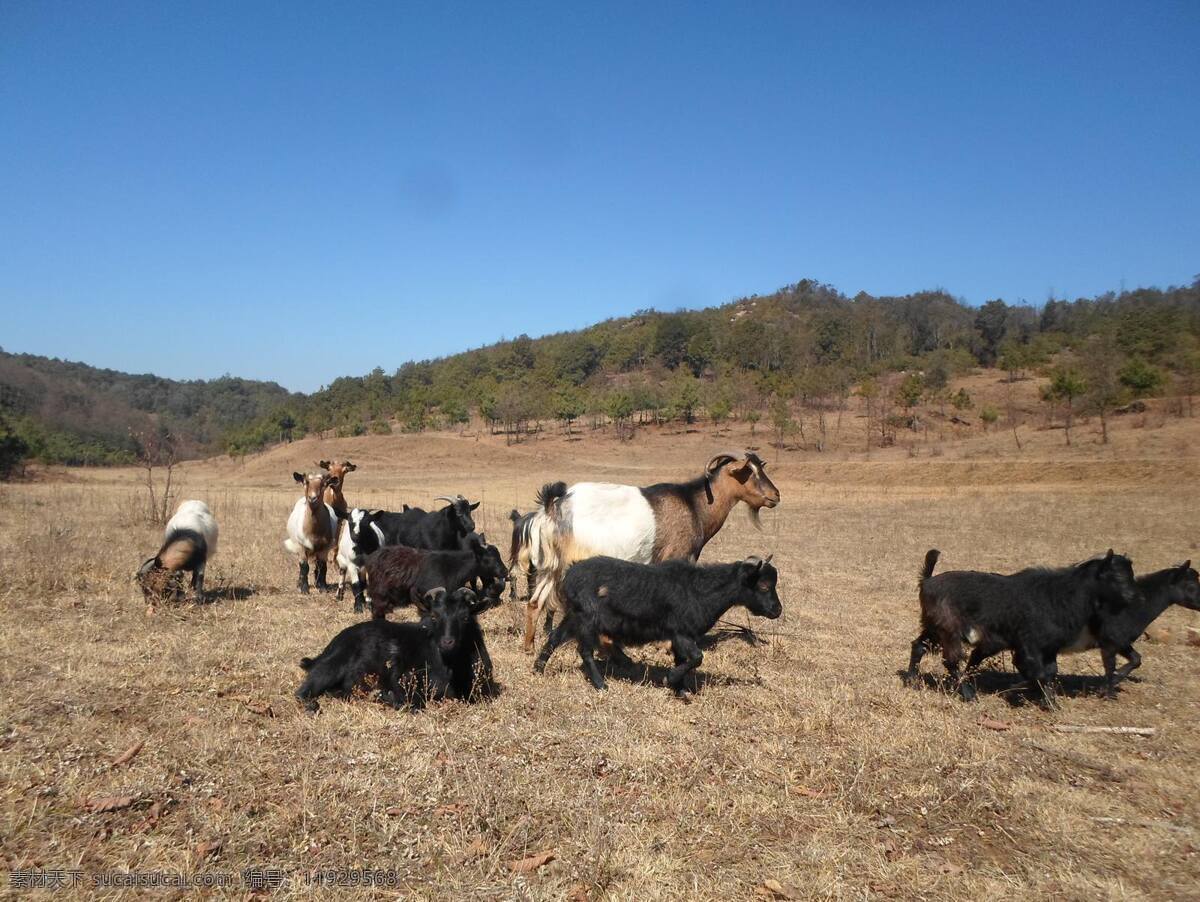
{"points": [[717, 462], [445, 498]]}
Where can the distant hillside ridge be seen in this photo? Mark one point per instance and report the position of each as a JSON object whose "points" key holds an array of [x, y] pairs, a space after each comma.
{"points": [[761, 356], [72, 413], [806, 346]]}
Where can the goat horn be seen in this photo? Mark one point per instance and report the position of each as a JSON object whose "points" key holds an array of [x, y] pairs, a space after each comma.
{"points": [[445, 498], [719, 461]]}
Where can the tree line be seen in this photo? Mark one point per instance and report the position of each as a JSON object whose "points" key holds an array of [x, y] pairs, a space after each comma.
{"points": [[757, 358]]}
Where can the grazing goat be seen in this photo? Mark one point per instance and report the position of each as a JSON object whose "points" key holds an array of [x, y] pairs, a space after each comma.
{"points": [[189, 540], [1115, 633], [406, 658], [1036, 613], [660, 522], [397, 575], [312, 528], [675, 601], [520, 553]]}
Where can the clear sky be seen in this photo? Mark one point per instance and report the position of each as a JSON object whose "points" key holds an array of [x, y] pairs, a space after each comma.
{"points": [[297, 191]]}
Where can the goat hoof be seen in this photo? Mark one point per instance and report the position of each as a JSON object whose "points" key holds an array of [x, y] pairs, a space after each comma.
{"points": [[303, 590], [967, 693], [539, 666]]}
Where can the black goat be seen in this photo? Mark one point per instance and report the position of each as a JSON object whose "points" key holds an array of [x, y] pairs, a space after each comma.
{"points": [[443, 655], [397, 575], [367, 531], [1116, 633], [469, 662], [1036, 613], [440, 530], [675, 601]]}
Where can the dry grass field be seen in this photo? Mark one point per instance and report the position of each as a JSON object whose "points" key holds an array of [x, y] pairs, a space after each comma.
{"points": [[801, 769]]}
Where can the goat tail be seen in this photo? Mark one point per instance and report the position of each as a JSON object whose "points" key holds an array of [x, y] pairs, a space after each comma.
{"points": [[931, 559], [550, 496], [307, 663]]}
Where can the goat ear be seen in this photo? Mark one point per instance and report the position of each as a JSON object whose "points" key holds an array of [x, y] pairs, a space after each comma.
{"points": [[473, 506], [323, 464], [299, 477], [350, 467]]}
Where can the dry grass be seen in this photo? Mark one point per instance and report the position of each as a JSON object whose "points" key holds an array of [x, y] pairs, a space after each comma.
{"points": [[804, 762]]}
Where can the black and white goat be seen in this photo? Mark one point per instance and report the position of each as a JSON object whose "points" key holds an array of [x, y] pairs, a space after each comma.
{"points": [[189, 540], [666, 521]]}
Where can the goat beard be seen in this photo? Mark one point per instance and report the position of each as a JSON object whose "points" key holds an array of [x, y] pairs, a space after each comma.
{"points": [[752, 513]]}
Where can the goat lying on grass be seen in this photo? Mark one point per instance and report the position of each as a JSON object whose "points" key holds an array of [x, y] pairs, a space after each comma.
{"points": [[440, 656], [675, 601], [1036, 614]]}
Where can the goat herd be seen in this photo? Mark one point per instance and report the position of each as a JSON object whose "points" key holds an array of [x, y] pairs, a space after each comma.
{"points": [[618, 564]]}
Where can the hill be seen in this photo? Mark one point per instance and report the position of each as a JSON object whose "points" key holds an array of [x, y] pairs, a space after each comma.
{"points": [[72, 413], [801, 352]]}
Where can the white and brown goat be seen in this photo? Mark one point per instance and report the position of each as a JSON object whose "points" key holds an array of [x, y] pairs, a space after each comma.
{"points": [[312, 529], [661, 522], [189, 540]]}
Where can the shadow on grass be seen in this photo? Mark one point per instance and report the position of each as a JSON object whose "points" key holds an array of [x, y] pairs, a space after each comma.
{"points": [[1014, 688]]}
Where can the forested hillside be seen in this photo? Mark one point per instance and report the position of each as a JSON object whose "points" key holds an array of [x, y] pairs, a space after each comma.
{"points": [[806, 346], [760, 357], [64, 412]]}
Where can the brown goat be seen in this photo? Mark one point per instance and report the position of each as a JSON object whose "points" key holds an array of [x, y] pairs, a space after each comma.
{"points": [[336, 500], [662, 522], [333, 489]]}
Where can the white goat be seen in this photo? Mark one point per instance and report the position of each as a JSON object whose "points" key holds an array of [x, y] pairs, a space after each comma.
{"points": [[312, 528]]}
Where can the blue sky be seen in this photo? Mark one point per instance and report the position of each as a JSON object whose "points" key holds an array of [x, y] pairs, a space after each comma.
{"points": [[300, 191]]}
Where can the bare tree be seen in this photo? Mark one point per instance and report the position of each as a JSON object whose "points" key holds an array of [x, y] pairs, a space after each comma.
{"points": [[157, 448]]}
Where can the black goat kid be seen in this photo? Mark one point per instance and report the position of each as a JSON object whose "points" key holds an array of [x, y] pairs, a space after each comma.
{"points": [[675, 601], [413, 662], [1036, 614]]}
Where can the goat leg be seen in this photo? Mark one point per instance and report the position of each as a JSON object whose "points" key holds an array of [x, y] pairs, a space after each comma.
{"points": [[322, 567], [921, 646], [687, 658], [1134, 662], [556, 638], [1109, 657], [302, 583], [587, 653], [198, 583]]}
